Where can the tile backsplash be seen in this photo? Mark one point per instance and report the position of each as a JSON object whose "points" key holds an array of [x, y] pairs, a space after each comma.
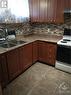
{"points": [[36, 28]]}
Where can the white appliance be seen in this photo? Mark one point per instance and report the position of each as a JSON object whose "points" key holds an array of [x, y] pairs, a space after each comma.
{"points": [[63, 60]]}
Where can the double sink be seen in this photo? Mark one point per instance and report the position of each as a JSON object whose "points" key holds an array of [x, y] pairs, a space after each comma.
{"points": [[12, 43]]}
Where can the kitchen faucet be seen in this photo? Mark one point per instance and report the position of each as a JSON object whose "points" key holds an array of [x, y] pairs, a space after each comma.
{"points": [[6, 34], [5, 31]]}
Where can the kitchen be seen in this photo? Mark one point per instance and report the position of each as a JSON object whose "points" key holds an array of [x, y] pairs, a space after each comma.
{"points": [[29, 43]]}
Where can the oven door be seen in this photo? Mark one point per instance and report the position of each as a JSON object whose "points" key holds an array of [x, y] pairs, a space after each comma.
{"points": [[64, 54]]}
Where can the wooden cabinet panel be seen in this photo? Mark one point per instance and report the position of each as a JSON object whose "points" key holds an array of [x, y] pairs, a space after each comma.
{"points": [[25, 57], [3, 70], [67, 4], [42, 12], [34, 10], [42, 51], [70, 4], [50, 11], [60, 11], [47, 52], [13, 63], [35, 51], [51, 53]]}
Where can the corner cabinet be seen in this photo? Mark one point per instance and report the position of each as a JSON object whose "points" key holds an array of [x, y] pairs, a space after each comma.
{"points": [[50, 11], [47, 52], [35, 51]]}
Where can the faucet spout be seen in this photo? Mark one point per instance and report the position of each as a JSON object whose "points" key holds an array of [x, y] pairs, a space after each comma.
{"points": [[6, 34]]}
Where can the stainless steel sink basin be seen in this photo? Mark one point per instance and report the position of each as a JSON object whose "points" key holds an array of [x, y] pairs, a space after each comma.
{"points": [[7, 45], [12, 43], [18, 42]]}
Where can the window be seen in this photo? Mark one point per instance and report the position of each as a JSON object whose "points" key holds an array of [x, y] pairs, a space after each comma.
{"points": [[16, 11]]}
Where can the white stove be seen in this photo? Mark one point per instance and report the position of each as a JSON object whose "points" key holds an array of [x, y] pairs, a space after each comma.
{"points": [[65, 41], [63, 60]]}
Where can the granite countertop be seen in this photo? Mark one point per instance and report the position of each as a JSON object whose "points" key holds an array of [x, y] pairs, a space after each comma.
{"points": [[31, 38]]}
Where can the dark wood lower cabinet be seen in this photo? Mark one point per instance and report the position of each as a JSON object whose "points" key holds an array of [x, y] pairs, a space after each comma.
{"points": [[51, 48], [3, 70], [42, 51], [47, 52], [35, 51], [13, 63], [25, 56]]}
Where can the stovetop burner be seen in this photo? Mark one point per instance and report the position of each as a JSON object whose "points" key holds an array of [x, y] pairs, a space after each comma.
{"points": [[66, 40], [63, 41]]}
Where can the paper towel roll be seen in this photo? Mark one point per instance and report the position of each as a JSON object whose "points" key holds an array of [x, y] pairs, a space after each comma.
{"points": [[11, 37]]}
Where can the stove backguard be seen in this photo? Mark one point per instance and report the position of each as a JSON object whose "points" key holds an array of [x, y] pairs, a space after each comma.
{"points": [[67, 32]]}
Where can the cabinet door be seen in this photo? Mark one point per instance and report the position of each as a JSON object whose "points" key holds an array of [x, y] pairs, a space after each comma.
{"points": [[21, 59], [50, 11], [34, 10], [47, 52], [13, 63], [35, 51], [60, 11], [27, 55], [67, 4], [51, 53], [3, 70], [54, 11], [42, 52], [42, 10]]}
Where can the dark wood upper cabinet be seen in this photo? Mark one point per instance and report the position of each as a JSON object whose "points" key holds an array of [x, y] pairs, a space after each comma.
{"points": [[60, 11], [67, 4], [50, 11], [42, 4], [52, 48], [34, 10]]}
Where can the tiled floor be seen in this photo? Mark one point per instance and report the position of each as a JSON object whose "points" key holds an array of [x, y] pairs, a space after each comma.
{"points": [[40, 79]]}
